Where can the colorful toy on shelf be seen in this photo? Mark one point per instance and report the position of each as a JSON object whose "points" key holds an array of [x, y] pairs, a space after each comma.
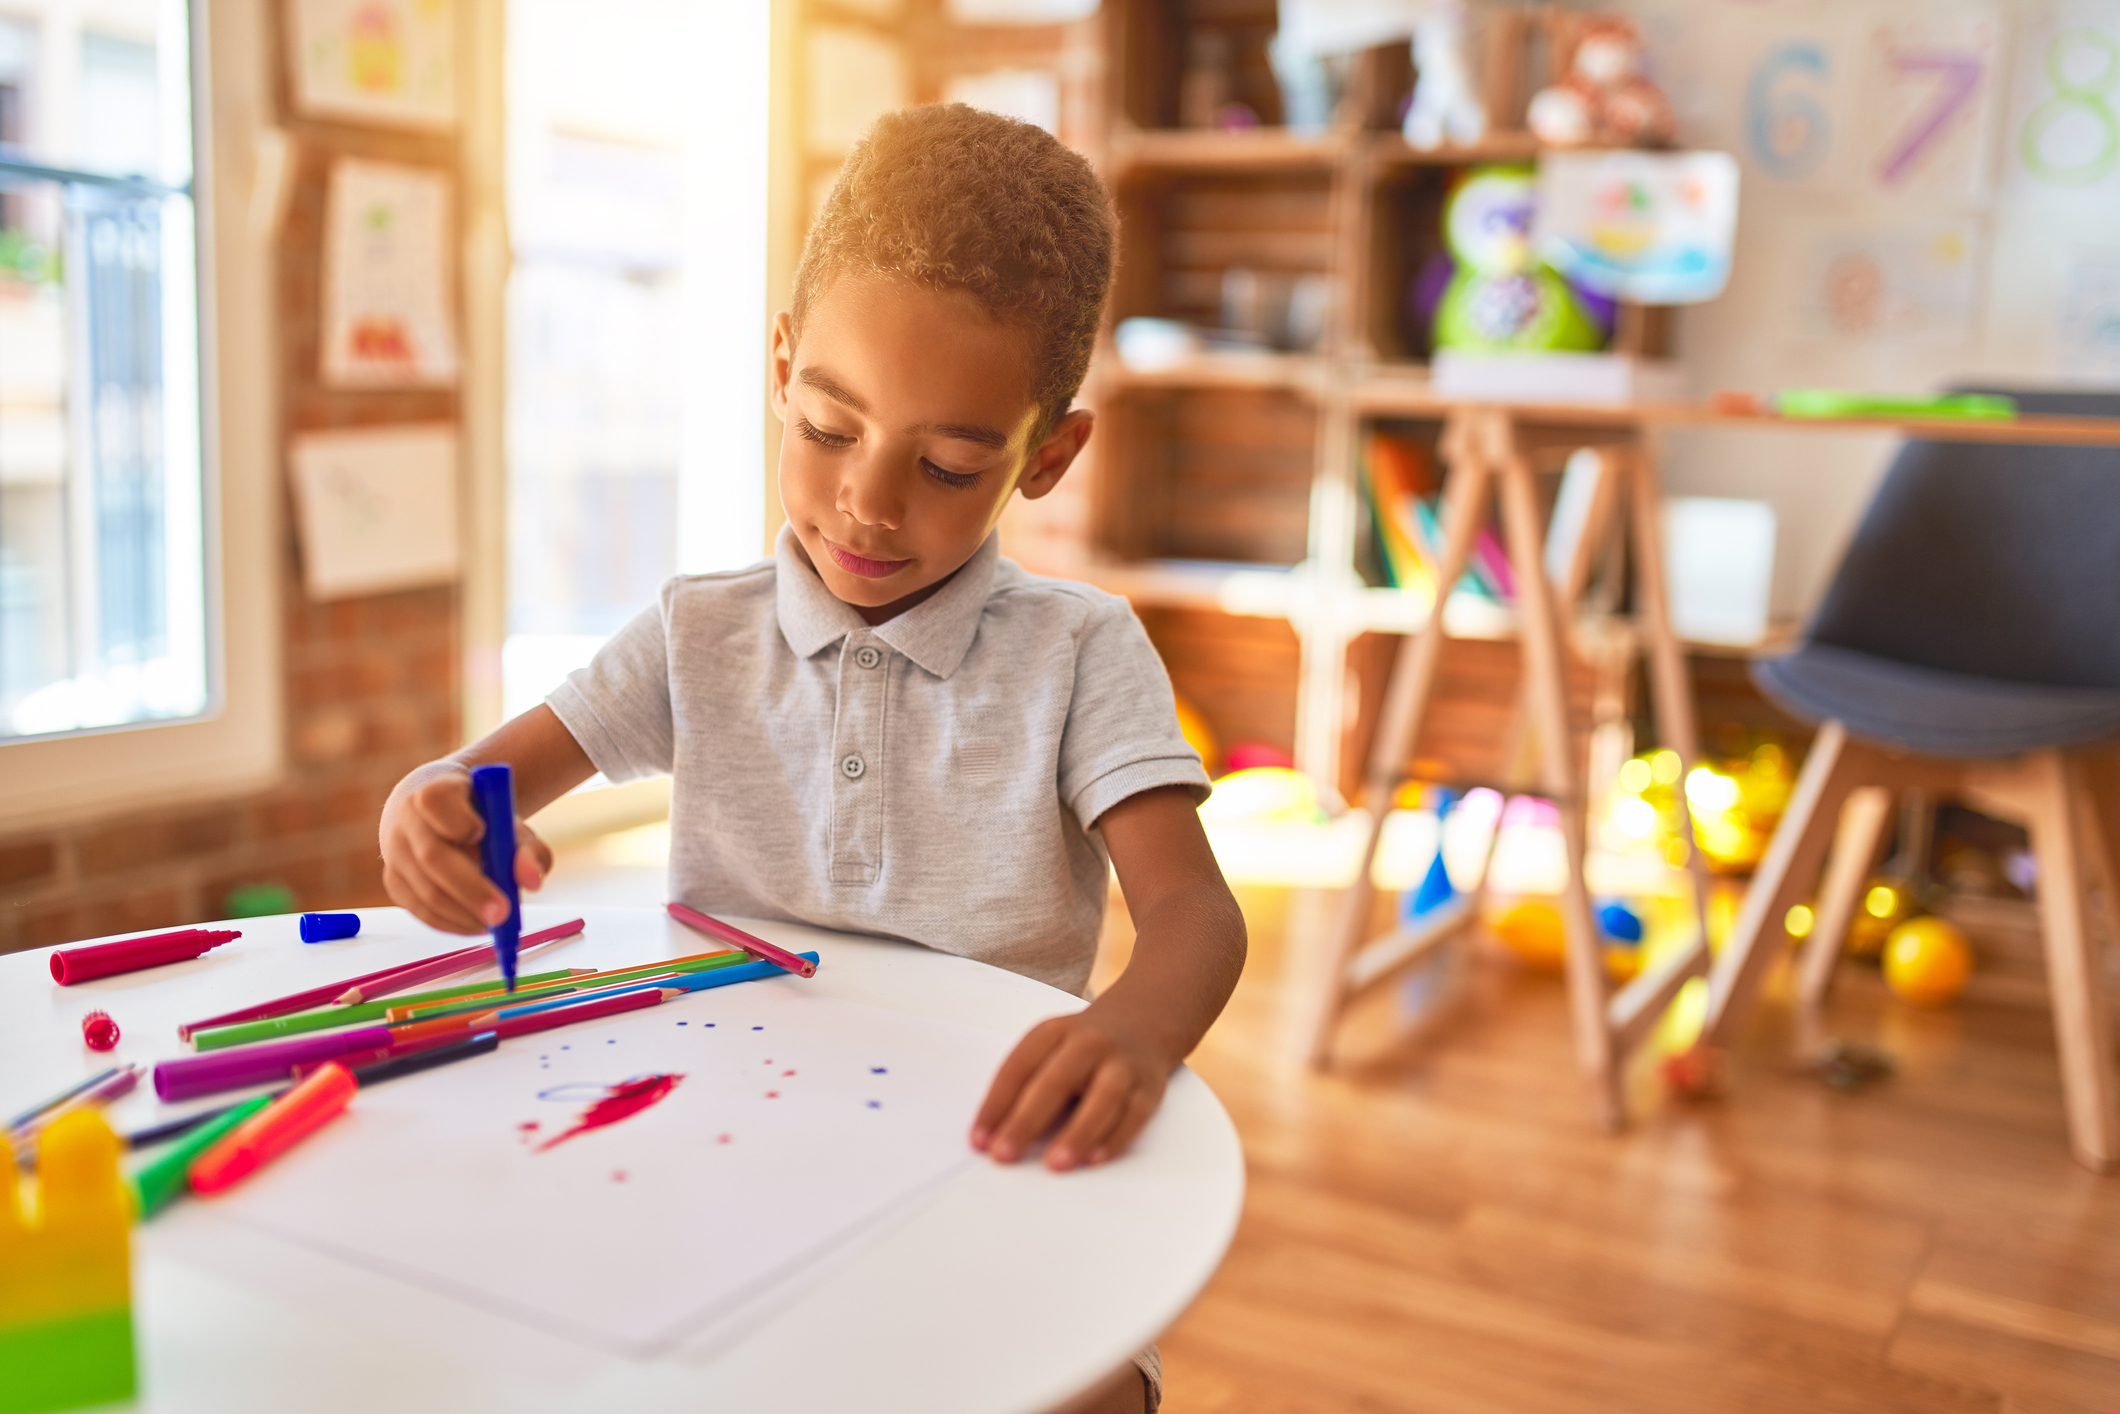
{"points": [[1435, 888], [1604, 100], [1198, 735], [1621, 931], [1501, 298], [66, 1338], [1927, 961], [1446, 103], [1532, 930]]}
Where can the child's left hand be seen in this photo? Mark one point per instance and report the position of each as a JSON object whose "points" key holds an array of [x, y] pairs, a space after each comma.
{"points": [[1111, 1074]]}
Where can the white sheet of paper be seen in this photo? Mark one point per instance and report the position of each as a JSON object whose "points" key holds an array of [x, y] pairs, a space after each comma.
{"points": [[799, 1122], [375, 61], [389, 318], [377, 508]]}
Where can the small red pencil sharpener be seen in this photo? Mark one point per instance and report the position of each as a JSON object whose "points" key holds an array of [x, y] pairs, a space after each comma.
{"points": [[99, 1031]]}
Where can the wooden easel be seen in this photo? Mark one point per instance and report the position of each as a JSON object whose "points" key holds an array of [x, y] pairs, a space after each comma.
{"points": [[1485, 449]]}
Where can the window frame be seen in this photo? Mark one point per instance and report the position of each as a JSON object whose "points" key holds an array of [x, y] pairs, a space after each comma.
{"points": [[236, 744]]}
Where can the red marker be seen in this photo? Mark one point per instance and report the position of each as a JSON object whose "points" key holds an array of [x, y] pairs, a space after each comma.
{"points": [[737, 937], [274, 1130]]}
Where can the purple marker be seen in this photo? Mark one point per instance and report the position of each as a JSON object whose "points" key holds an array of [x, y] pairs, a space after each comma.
{"points": [[237, 1066]]}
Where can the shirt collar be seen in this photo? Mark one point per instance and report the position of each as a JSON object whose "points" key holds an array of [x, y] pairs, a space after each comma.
{"points": [[935, 633]]}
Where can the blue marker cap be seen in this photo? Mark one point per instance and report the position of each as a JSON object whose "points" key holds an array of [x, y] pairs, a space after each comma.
{"points": [[329, 927], [493, 795]]}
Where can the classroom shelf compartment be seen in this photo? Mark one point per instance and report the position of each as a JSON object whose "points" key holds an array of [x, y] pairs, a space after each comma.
{"points": [[1206, 474]]}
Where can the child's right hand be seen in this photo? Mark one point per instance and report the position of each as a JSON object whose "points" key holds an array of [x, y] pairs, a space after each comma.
{"points": [[429, 836]]}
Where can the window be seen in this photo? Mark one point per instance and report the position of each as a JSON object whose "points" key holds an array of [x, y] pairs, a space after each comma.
{"points": [[102, 541], [140, 551], [636, 314]]}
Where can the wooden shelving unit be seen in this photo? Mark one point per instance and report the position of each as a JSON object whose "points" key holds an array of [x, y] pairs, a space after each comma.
{"points": [[1226, 486]]}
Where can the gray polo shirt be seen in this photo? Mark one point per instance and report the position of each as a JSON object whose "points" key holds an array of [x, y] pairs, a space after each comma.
{"points": [[934, 778]]}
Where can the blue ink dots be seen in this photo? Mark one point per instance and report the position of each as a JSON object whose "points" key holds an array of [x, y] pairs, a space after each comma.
{"points": [[612, 1042], [710, 1025], [758, 1028], [877, 1070], [680, 1023], [875, 1104]]}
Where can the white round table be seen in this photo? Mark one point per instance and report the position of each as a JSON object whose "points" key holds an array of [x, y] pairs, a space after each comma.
{"points": [[1012, 1291]]}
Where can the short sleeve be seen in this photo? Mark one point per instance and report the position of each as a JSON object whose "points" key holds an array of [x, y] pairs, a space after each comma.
{"points": [[618, 708], [1122, 734]]}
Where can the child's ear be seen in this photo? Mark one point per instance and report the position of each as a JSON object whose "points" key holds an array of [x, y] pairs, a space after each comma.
{"points": [[1051, 458], [781, 360]]}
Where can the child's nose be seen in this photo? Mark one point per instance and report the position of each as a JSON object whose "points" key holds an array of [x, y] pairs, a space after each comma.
{"points": [[870, 495]]}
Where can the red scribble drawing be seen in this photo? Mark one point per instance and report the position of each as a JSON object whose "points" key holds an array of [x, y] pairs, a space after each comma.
{"points": [[621, 1101]]}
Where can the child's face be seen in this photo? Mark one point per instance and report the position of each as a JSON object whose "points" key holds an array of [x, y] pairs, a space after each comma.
{"points": [[909, 419]]}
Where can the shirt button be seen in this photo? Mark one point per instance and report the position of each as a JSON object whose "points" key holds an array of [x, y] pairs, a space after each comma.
{"points": [[853, 767], [867, 657]]}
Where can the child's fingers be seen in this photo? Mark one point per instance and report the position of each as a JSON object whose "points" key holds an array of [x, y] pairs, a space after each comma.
{"points": [[1140, 1109], [1021, 1064], [453, 871], [429, 905], [540, 857], [1099, 1110], [444, 803], [1046, 1094]]}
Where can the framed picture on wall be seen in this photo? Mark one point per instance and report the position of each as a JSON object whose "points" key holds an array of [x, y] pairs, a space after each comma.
{"points": [[374, 61]]}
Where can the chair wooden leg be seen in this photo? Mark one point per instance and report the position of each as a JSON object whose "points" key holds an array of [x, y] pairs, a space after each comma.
{"points": [[1862, 829], [1785, 875], [2075, 972]]}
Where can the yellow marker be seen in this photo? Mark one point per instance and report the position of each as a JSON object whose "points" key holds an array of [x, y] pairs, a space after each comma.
{"points": [[66, 1279]]}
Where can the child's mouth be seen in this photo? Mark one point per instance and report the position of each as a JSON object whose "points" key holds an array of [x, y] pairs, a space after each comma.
{"points": [[861, 564]]}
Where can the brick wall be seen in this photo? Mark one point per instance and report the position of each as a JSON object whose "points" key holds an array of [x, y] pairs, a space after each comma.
{"points": [[372, 684]]}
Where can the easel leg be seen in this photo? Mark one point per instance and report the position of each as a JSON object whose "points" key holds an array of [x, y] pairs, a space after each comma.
{"points": [[2075, 974], [1542, 649], [1398, 726]]}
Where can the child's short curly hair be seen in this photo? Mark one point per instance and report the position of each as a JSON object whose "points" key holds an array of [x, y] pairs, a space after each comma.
{"points": [[952, 198]]}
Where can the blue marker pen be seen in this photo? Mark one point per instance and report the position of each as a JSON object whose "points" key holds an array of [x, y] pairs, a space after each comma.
{"points": [[493, 795]]}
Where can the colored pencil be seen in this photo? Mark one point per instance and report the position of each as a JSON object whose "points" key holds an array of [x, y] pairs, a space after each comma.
{"points": [[274, 1130], [62, 1097], [674, 985], [160, 1181], [307, 998], [737, 937], [440, 967], [326, 1017], [582, 982], [596, 1010], [24, 1136], [82, 964]]}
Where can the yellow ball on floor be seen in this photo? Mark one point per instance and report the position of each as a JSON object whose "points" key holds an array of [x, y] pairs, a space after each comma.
{"points": [[1926, 961], [1533, 931]]}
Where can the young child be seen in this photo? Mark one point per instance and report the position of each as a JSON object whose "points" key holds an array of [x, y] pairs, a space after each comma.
{"points": [[887, 728]]}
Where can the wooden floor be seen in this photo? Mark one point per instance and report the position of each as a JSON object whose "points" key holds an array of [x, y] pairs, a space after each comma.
{"points": [[1437, 1226]]}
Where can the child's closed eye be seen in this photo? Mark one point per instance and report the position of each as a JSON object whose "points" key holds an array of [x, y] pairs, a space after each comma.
{"points": [[958, 479], [810, 432]]}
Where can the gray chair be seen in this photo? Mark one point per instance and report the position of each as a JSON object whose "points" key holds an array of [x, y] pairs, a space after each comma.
{"points": [[1969, 646]]}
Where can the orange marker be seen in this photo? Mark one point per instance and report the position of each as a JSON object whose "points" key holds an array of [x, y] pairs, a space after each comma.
{"points": [[274, 1130]]}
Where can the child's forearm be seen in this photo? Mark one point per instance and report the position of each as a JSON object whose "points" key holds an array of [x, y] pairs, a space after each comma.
{"points": [[547, 760], [1188, 931], [1189, 948]]}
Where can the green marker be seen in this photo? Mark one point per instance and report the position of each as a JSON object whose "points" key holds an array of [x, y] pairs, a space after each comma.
{"points": [[157, 1183]]}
